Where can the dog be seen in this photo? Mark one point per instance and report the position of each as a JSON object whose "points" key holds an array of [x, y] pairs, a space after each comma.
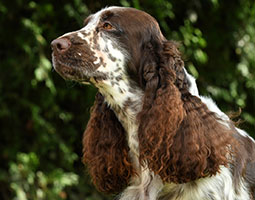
{"points": [[151, 136]]}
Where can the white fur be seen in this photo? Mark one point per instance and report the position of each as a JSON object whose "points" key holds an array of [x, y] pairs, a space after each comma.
{"points": [[147, 185], [211, 104], [193, 86], [216, 187]]}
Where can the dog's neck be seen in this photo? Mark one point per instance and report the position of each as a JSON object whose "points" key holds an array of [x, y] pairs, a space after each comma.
{"points": [[125, 98]]}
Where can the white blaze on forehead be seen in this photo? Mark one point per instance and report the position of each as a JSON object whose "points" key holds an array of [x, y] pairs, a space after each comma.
{"points": [[96, 18], [91, 26], [94, 21]]}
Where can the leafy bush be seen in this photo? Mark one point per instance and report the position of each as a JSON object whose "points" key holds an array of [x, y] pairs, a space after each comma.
{"points": [[42, 117]]}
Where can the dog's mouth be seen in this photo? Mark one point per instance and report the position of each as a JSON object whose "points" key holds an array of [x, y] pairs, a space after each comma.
{"points": [[76, 70], [73, 59], [70, 71]]}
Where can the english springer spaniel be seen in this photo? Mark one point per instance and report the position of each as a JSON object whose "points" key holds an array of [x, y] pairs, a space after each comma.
{"points": [[151, 135]]}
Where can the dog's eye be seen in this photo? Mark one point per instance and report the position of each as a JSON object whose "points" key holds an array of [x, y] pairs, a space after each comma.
{"points": [[107, 26]]}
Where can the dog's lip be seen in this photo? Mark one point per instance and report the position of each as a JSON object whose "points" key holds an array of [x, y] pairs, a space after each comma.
{"points": [[67, 71], [76, 73]]}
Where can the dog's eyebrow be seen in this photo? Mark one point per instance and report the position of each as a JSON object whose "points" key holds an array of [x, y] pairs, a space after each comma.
{"points": [[86, 21], [107, 15]]}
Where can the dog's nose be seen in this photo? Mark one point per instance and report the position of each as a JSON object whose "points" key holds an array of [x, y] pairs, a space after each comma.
{"points": [[61, 44]]}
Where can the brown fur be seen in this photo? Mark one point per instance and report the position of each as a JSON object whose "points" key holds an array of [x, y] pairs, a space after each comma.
{"points": [[179, 138], [105, 149]]}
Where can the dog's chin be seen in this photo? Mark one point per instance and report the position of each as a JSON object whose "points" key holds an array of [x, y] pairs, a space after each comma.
{"points": [[71, 73]]}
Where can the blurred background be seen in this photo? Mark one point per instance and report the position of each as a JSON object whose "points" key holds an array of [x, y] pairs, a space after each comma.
{"points": [[42, 117]]}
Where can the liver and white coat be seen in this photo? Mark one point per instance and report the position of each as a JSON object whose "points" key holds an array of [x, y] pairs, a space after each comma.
{"points": [[151, 135]]}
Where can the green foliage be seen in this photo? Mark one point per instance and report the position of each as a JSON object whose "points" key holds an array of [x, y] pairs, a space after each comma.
{"points": [[42, 117], [29, 182]]}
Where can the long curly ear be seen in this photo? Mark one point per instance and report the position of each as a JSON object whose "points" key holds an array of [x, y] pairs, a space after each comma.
{"points": [[179, 138], [105, 150], [163, 110]]}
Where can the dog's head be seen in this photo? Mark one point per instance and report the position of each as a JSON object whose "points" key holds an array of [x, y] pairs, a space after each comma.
{"points": [[108, 46], [123, 48]]}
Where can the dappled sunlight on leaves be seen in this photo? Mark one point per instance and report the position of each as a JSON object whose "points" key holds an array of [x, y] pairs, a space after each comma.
{"points": [[43, 117]]}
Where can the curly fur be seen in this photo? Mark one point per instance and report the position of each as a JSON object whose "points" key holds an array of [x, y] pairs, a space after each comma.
{"points": [[150, 134], [172, 119], [105, 149]]}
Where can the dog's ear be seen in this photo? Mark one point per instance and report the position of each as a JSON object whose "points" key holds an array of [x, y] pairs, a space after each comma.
{"points": [[105, 150], [162, 112], [179, 138]]}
